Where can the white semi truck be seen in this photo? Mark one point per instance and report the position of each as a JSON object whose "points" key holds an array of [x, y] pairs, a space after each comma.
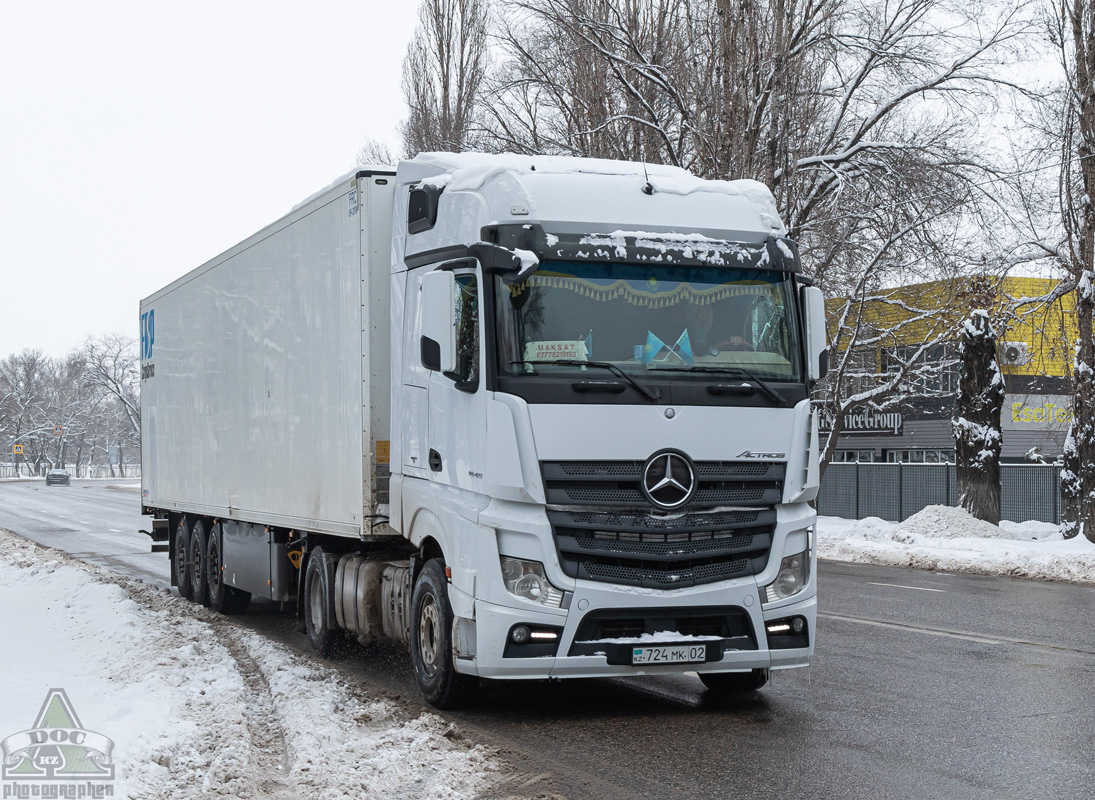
{"points": [[535, 417]]}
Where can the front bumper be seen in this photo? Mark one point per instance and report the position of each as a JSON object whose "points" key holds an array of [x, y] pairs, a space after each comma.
{"points": [[578, 658]]}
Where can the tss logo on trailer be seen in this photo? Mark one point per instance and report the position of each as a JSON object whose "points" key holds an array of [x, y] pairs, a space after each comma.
{"points": [[148, 336]]}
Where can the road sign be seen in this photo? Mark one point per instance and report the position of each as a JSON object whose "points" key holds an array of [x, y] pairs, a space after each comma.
{"points": [[18, 450], [58, 430]]}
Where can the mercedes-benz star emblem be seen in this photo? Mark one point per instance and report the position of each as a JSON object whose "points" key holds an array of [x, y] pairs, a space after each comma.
{"points": [[669, 479]]}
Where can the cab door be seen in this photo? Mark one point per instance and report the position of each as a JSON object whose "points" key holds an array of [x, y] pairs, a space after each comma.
{"points": [[457, 399], [414, 390]]}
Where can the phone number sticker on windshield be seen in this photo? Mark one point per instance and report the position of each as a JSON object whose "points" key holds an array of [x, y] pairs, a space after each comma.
{"points": [[557, 351]]}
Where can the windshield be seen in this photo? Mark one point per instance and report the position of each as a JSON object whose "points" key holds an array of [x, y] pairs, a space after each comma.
{"points": [[645, 318]]}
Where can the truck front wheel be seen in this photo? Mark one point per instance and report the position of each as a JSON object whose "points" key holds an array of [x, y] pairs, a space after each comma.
{"points": [[431, 642], [730, 683]]}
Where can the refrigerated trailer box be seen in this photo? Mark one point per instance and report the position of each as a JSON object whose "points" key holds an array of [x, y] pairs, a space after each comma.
{"points": [[535, 417], [266, 378]]}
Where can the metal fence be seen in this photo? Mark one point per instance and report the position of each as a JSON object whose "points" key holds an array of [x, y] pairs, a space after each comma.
{"points": [[94, 471], [895, 492]]}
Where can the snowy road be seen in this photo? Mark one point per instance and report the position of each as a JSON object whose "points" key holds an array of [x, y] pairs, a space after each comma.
{"points": [[95, 520], [925, 685]]}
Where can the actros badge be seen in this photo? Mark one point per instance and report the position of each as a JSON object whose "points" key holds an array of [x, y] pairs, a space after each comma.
{"points": [[669, 479]]}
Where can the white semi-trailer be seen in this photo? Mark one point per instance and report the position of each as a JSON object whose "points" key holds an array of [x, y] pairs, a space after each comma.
{"points": [[536, 417]]}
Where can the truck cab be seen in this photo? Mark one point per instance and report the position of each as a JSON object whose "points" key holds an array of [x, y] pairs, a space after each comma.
{"points": [[601, 426]]}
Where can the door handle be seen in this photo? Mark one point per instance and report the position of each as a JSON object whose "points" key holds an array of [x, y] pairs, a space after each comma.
{"points": [[435, 461]]}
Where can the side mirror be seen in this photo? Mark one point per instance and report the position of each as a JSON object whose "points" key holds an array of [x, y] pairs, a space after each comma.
{"points": [[438, 321], [813, 306]]}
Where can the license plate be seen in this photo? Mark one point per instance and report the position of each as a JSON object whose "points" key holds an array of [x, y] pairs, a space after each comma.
{"points": [[669, 654]]}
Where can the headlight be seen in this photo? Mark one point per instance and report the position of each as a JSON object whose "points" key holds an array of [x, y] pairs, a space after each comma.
{"points": [[526, 579], [794, 572]]}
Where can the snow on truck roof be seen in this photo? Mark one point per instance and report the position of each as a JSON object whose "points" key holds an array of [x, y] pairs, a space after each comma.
{"points": [[611, 191]]}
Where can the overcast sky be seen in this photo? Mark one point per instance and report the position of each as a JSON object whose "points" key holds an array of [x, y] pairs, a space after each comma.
{"points": [[138, 140]]}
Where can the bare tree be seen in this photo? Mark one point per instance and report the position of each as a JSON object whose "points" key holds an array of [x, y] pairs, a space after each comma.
{"points": [[442, 76], [887, 344], [976, 425], [595, 78], [1057, 228], [113, 368], [69, 411], [1077, 187], [24, 378], [865, 119], [375, 153]]}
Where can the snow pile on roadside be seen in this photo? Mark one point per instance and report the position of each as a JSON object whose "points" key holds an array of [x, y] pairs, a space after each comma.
{"points": [[198, 706], [950, 540], [344, 745]]}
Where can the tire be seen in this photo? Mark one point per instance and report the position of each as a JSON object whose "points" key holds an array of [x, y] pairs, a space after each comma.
{"points": [[431, 642], [734, 683], [199, 585], [319, 606], [180, 559], [222, 598]]}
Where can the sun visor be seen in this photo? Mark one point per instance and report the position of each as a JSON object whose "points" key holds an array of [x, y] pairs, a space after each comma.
{"points": [[637, 247]]}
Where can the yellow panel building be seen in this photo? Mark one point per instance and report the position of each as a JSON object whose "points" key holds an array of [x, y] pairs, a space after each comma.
{"points": [[920, 322]]}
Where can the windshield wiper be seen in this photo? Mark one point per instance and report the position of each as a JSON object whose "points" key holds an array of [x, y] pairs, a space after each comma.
{"points": [[652, 394], [765, 389]]}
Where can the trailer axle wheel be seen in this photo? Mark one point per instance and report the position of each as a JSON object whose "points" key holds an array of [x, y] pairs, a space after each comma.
{"points": [[199, 585], [180, 559], [222, 598]]}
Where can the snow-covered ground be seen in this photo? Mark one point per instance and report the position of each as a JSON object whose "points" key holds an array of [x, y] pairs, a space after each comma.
{"points": [[950, 540], [199, 707]]}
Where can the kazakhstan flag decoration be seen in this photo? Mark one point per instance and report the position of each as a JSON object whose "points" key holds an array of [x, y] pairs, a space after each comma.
{"points": [[655, 350]]}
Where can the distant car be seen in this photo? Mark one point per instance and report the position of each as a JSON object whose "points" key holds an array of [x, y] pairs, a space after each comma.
{"points": [[57, 476]]}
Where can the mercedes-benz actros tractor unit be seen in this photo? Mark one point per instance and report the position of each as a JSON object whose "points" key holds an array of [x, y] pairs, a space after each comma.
{"points": [[535, 417]]}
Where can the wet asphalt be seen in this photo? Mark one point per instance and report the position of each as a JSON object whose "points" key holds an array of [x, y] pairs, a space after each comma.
{"points": [[924, 685]]}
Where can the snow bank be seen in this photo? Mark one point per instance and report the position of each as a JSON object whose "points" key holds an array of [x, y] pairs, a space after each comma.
{"points": [[950, 540], [198, 706]]}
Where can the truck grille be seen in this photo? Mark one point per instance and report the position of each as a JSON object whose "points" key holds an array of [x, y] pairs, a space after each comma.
{"points": [[605, 529], [616, 483]]}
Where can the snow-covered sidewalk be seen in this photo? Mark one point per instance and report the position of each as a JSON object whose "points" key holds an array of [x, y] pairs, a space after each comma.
{"points": [[950, 540], [197, 706]]}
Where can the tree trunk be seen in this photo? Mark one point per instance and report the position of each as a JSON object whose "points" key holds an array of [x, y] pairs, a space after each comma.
{"points": [[1078, 475], [976, 426]]}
